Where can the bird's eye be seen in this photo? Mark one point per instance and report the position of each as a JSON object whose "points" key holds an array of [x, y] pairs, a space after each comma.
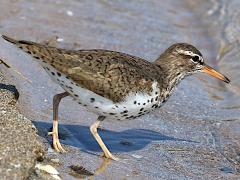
{"points": [[195, 58]]}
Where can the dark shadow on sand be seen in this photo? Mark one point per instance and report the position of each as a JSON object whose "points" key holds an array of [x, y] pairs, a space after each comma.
{"points": [[10, 88], [123, 141]]}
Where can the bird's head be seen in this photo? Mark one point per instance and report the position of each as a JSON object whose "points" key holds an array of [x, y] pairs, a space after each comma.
{"points": [[185, 59]]}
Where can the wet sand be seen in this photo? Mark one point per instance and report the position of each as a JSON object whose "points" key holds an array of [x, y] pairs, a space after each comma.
{"points": [[194, 136]]}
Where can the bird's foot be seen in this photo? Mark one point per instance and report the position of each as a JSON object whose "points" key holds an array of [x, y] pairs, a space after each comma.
{"points": [[110, 156], [56, 143]]}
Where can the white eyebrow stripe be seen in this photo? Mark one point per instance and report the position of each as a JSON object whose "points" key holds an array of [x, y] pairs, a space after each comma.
{"points": [[201, 59], [190, 53]]}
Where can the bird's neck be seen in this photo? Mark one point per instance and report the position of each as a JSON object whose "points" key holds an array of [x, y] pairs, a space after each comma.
{"points": [[171, 74]]}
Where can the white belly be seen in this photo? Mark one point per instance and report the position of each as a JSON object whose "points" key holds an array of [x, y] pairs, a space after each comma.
{"points": [[133, 105]]}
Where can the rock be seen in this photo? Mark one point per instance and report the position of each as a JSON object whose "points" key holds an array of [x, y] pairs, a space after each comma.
{"points": [[20, 145]]}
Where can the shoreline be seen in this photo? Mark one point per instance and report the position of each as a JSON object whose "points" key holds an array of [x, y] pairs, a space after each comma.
{"points": [[21, 148]]}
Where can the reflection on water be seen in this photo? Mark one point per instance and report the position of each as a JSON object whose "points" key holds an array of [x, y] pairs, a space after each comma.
{"points": [[106, 162]]}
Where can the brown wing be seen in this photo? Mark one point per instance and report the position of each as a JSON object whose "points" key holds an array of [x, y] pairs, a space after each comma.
{"points": [[111, 76], [107, 73]]}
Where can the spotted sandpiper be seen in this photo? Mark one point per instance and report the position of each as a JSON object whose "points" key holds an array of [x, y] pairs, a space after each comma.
{"points": [[112, 84]]}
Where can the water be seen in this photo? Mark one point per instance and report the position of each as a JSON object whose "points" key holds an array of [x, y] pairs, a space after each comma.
{"points": [[195, 135]]}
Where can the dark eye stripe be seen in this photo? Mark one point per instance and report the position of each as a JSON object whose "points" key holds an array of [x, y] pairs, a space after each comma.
{"points": [[195, 58]]}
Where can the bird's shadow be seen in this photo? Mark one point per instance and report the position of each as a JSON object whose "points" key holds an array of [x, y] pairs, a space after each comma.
{"points": [[123, 141]]}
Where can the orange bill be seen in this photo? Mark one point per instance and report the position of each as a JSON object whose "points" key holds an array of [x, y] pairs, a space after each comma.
{"points": [[208, 70]]}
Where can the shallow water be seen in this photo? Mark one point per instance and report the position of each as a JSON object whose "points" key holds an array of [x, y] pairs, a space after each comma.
{"points": [[195, 135]]}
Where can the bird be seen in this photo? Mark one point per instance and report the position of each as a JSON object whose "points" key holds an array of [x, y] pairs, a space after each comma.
{"points": [[115, 85]]}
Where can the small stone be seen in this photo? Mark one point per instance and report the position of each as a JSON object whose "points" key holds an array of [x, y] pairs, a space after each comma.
{"points": [[69, 13], [47, 168], [59, 39], [137, 156], [55, 160]]}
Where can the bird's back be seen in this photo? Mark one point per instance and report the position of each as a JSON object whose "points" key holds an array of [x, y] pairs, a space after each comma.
{"points": [[110, 74]]}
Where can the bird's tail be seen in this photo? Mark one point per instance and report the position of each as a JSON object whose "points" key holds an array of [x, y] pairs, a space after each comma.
{"points": [[14, 41], [27, 46], [11, 40]]}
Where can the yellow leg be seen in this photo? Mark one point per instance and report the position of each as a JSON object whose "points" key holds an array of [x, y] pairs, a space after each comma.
{"points": [[93, 129], [56, 143]]}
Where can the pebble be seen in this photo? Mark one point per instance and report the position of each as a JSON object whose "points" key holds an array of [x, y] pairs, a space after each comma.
{"points": [[69, 13], [55, 160], [49, 169], [59, 39], [137, 156]]}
